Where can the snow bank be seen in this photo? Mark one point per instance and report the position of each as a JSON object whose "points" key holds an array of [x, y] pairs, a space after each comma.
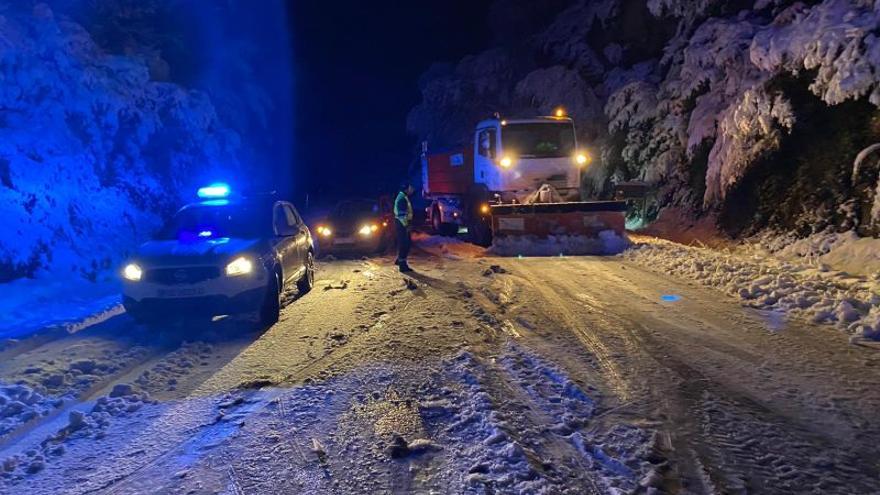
{"points": [[608, 242], [28, 305], [845, 251], [852, 304]]}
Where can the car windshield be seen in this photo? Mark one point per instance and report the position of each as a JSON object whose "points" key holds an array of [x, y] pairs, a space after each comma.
{"points": [[539, 140], [243, 221], [357, 208]]}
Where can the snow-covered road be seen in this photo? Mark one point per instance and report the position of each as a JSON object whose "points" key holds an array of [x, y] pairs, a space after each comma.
{"points": [[475, 375]]}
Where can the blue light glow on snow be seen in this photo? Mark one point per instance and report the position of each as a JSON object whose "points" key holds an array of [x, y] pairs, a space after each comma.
{"points": [[670, 298], [215, 190]]}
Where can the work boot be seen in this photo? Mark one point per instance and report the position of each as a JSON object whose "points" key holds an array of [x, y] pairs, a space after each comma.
{"points": [[404, 267]]}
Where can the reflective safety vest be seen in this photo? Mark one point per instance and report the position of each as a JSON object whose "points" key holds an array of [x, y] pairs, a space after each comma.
{"points": [[403, 211]]}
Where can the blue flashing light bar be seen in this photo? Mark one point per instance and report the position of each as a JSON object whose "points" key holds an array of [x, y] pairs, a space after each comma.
{"points": [[215, 190]]}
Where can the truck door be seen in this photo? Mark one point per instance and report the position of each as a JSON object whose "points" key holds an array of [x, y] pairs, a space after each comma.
{"points": [[486, 171]]}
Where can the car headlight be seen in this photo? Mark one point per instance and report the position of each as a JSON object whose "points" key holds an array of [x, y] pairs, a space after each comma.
{"points": [[132, 272], [239, 266], [324, 231], [368, 229]]}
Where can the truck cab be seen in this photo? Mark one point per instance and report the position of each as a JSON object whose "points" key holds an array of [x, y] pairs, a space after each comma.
{"points": [[515, 157]]}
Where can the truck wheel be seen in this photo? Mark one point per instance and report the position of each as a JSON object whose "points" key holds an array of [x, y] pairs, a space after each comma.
{"points": [[436, 220], [479, 232], [270, 311], [307, 281], [440, 227]]}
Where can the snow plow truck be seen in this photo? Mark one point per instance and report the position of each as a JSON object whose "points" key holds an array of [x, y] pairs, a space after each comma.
{"points": [[518, 189]]}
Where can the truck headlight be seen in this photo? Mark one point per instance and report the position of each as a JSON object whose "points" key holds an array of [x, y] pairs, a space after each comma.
{"points": [[239, 266], [132, 272], [506, 162], [582, 159]]}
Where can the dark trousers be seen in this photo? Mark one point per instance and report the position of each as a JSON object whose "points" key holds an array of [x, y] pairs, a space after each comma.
{"points": [[403, 241]]}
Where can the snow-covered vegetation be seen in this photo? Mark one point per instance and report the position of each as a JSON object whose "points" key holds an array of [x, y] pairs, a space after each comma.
{"points": [[106, 126], [92, 151], [753, 112]]}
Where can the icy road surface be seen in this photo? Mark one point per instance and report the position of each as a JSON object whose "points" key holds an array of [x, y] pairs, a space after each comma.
{"points": [[475, 375]]}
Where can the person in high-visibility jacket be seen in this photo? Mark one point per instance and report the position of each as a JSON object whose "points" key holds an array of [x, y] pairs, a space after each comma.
{"points": [[403, 215]]}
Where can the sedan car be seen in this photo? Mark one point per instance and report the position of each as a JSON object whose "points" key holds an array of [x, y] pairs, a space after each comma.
{"points": [[221, 257], [357, 226]]}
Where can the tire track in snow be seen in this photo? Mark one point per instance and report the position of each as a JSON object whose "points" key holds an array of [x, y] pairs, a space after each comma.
{"points": [[529, 413], [612, 372]]}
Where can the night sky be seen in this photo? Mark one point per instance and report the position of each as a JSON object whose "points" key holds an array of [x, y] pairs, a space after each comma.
{"points": [[356, 71]]}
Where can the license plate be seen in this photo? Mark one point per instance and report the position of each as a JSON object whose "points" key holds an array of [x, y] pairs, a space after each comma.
{"points": [[344, 240], [188, 292]]}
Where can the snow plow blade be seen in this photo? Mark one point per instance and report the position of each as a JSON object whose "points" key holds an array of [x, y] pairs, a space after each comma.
{"points": [[553, 229]]}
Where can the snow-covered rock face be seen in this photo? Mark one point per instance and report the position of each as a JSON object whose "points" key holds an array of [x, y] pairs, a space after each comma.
{"points": [[92, 152], [720, 93]]}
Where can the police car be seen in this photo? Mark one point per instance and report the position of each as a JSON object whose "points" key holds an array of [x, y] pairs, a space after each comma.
{"points": [[224, 255]]}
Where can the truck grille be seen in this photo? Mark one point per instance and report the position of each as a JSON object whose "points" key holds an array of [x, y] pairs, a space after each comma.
{"points": [[184, 275]]}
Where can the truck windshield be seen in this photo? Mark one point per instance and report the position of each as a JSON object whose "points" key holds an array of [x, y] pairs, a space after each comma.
{"points": [[539, 140], [213, 221]]}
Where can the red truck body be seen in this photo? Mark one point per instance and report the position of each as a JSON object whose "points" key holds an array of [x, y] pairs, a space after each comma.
{"points": [[449, 173]]}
